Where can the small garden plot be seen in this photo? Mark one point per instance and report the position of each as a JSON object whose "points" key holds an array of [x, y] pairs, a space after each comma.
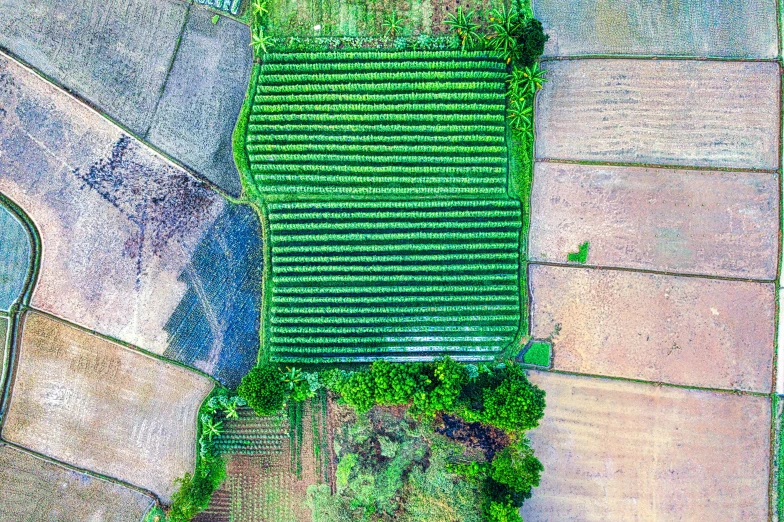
{"points": [[36, 490], [100, 406], [681, 330], [675, 112], [617, 450], [705, 28], [270, 463], [354, 281]]}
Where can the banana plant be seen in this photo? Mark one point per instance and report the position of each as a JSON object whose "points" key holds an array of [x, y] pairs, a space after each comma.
{"points": [[520, 116], [505, 27], [259, 41], [465, 27], [392, 23], [259, 9], [533, 79], [292, 376]]}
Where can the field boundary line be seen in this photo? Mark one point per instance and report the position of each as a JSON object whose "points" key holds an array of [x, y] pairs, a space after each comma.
{"points": [[657, 57], [4, 52], [592, 163], [653, 272], [655, 383], [155, 501], [162, 90]]}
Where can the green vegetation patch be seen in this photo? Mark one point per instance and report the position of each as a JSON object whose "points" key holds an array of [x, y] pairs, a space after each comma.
{"points": [[356, 280], [423, 124], [581, 256], [539, 353]]}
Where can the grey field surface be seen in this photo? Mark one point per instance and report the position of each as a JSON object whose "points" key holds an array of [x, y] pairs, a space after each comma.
{"points": [[36, 490], [661, 112], [157, 67], [703, 28]]}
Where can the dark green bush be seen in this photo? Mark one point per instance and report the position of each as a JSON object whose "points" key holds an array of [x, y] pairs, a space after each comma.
{"points": [[515, 404], [449, 377], [502, 512], [396, 383], [263, 389], [359, 391], [195, 491], [531, 42]]}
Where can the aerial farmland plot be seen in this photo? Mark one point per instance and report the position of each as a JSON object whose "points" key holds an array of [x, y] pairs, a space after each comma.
{"points": [[391, 261], [70, 387]]}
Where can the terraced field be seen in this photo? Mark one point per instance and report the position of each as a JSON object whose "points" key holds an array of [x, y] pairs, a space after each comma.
{"points": [[384, 180]]}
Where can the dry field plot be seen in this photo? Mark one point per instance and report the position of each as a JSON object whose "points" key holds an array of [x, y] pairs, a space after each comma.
{"points": [[679, 330], [620, 451], [35, 490], [661, 112], [723, 28], [103, 407], [693, 222]]}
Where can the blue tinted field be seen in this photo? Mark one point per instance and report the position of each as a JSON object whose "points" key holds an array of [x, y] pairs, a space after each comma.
{"points": [[14, 258]]}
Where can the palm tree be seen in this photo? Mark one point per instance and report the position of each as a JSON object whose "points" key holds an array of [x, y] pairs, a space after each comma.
{"points": [[520, 114], [464, 25], [505, 25], [259, 41], [231, 410], [393, 24]]}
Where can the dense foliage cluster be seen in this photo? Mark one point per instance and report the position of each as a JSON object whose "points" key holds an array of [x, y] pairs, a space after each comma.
{"points": [[263, 389]]}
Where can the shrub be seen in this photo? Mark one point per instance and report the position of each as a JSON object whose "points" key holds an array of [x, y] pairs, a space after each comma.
{"points": [[263, 389], [397, 383], [195, 491], [502, 512], [515, 404], [517, 468], [449, 377], [359, 391]]}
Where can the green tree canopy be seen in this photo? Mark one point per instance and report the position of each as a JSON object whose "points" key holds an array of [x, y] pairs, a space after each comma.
{"points": [[263, 389]]}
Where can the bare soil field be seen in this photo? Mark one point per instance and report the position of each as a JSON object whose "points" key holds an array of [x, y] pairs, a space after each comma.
{"points": [[133, 246], [705, 28], [660, 112], [621, 451], [679, 330], [158, 67], [197, 111], [100, 406], [35, 490], [684, 221]]}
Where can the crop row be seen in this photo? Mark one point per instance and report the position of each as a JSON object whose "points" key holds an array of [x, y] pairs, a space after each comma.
{"points": [[414, 118], [328, 330], [379, 56], [366, 223], [368, 358], [373, 77], [420, 98], [375, 137], [432, 291], [392, 309], [375, 172], [382, 300], [370, 87], [452, 259], [346, 159], [350, 207], [443, 151], [311, 110], [380, 65], [454, 129]]}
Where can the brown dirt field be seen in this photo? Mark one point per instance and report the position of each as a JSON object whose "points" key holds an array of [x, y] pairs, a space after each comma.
{"points": [[679, 330], [35, 490], [684, 221], [734, 29], [621, 451], [661, 112], [100, 406]]}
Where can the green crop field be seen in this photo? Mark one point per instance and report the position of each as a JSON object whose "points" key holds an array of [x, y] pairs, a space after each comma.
{"points": [[383, 179]]}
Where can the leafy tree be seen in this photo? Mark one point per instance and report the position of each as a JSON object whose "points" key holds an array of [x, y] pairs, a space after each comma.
{"points": [[465, 27], [195, 491], [531, 42], [263, 389], [515, 404], [392, 23], [517, 468], [449, 376], [397, 383]]}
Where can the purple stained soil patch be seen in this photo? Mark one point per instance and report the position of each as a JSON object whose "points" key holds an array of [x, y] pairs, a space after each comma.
{"points": [[132, 246]]}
